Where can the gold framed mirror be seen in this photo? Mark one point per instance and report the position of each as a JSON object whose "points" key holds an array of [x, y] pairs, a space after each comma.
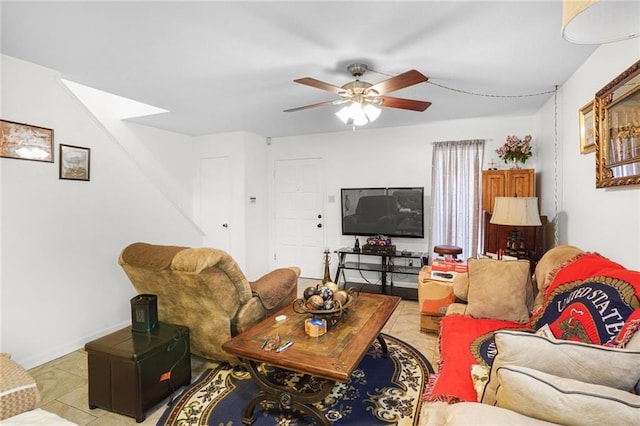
{"points": [[617, 130]]}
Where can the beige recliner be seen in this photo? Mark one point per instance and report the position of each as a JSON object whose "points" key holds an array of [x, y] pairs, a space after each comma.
{"points": [[205, 290]]}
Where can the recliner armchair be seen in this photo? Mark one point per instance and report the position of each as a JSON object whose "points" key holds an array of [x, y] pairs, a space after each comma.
{"points": [[205, 290]]}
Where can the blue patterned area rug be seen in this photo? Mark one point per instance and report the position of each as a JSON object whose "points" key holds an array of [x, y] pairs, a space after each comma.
{"points": [[380, 391]]}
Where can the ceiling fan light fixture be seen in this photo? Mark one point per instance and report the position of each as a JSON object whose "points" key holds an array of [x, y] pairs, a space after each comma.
{"points": [[357, 114], [363, 99], [372, 112], [343, 114]]}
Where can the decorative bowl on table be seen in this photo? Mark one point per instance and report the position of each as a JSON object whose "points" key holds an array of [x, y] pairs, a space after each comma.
{"points": [[323, 302]]}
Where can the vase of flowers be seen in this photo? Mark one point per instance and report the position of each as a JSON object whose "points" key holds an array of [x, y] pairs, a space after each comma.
{"points": [[515, 151]]}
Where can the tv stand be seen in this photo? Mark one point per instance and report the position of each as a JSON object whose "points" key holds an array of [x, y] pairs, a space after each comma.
{"points": [[349, 259]]}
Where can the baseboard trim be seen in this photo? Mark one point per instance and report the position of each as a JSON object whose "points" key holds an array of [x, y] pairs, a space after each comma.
{"points": [[67, 347]]}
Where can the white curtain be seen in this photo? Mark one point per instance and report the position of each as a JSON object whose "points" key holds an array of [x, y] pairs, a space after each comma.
{"points": [[456, 195]]}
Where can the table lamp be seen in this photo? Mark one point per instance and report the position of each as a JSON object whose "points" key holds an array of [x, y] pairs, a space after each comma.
{"points": [[516, 211], [600, 21]]}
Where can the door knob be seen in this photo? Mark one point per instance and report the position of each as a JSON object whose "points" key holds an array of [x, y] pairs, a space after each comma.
{"points": [[319, 225], [225, 225], [319, 216]]}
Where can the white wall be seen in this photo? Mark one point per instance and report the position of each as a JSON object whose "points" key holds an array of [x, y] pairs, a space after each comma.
{"points": [[390, 157], [246, 152], [257, 212], [165, 157], [601, 220], [61, 284]]}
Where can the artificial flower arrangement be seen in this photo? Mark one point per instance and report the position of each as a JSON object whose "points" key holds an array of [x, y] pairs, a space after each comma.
{"points": [[515, 149]]}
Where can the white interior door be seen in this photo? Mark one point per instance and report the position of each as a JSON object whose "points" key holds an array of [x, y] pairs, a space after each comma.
{"points": [[299, 216], [215, 202]]}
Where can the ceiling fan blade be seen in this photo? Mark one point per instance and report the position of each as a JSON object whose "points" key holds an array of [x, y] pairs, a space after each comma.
{"points": [[320, 85], [398, 82], [319, 104], [390, 102]]}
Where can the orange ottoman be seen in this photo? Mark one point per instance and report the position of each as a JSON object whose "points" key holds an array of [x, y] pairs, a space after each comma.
{"points": [[433, 299]]}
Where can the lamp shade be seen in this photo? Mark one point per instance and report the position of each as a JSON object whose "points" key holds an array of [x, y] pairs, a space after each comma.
{"points": [[516, 211], [600, 21]]}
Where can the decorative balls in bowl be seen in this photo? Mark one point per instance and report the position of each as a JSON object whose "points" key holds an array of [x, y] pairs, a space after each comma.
{"points": [[324, 299]]}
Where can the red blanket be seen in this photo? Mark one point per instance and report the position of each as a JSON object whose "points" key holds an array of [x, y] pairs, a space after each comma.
{"points": [[590, 300], [464, 341]]}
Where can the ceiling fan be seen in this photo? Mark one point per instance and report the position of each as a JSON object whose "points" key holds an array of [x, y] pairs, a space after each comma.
{"points": [[363, 98]]}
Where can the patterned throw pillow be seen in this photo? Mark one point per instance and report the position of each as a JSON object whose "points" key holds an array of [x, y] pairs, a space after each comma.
{"points": [[18, 390]]}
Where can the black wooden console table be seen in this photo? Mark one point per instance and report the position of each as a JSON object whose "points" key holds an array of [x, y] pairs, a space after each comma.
{"points": [[348, 259]]}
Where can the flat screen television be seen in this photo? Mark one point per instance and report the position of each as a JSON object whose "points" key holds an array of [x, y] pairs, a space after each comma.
{"points": [[394, 212]]}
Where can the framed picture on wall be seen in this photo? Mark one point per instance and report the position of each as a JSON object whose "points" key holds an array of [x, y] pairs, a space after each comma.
{"points": [[26, 142], [74, 162], [587, 129], [616, 114]]}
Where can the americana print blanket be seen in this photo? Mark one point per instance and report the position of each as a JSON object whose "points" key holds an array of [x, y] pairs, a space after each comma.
{"points": [[591, 299]]}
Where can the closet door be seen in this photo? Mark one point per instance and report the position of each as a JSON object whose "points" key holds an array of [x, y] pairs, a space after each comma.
{"points": [[215, 203]]}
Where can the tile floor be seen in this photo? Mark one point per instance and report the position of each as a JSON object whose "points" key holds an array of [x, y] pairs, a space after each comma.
{"points": [[63, 382]]}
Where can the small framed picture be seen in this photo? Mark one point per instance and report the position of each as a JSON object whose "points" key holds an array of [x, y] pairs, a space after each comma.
{"points": [[26, 142], [587, 129], [75, 162]]}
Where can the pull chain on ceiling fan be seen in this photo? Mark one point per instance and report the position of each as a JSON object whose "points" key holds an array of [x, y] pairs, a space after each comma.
{"points": [[365, 99]]}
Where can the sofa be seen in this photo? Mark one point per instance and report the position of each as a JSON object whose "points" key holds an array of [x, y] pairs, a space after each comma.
{"points": [[559, 346], [205, 290], [19, 398]]}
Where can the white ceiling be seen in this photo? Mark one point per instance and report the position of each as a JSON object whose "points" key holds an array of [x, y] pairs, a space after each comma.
{"points": [[229, 66]]}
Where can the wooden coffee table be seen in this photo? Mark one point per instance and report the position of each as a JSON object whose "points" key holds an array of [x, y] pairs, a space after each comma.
{"points": [[323, 360]]}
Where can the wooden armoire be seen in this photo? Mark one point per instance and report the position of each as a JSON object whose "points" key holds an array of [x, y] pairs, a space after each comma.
{"points": [[508, 183]]}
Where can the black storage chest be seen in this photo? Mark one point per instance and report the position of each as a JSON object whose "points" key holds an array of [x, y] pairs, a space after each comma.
{"points": [[130, 372]]}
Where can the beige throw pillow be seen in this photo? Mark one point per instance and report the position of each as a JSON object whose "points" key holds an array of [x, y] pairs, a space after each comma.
{"points": [[499, 289], [564, 401], [461, 286], [472, 413], [612, 367]]}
